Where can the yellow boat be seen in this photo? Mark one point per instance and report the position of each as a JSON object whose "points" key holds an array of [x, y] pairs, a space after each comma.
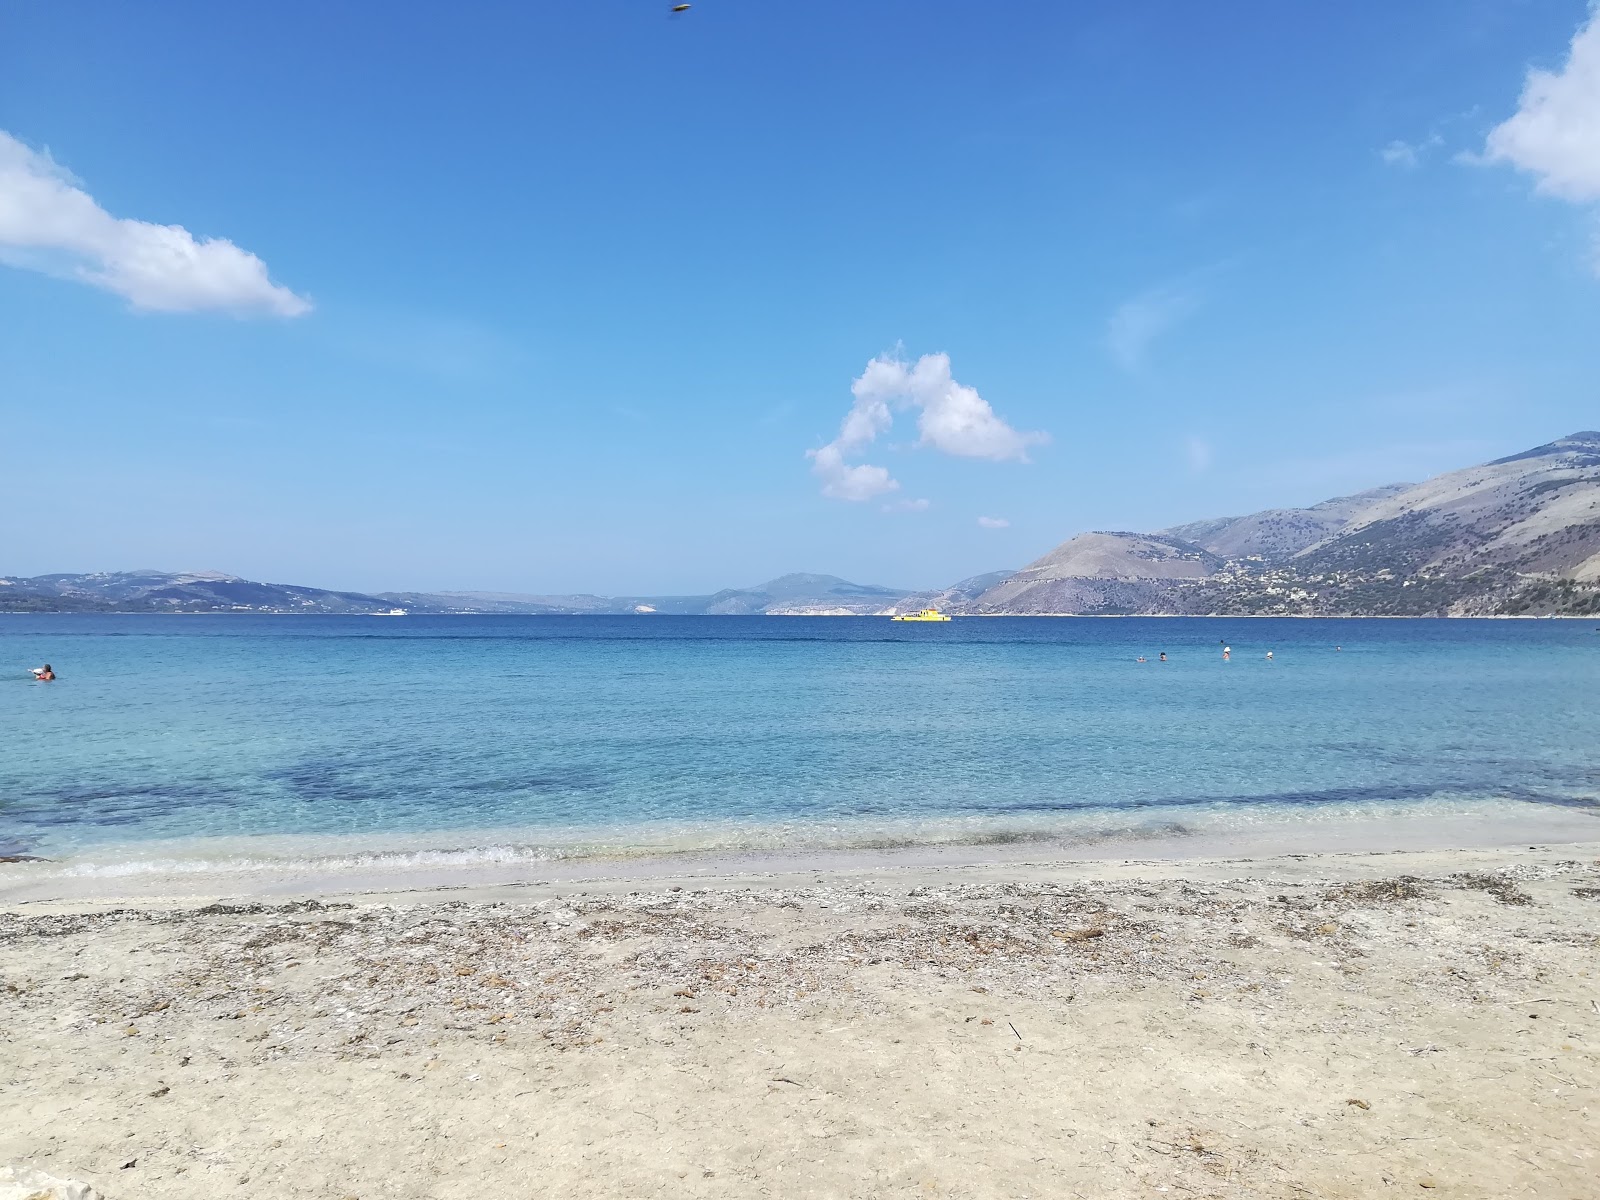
{"points": [[927, 614]]}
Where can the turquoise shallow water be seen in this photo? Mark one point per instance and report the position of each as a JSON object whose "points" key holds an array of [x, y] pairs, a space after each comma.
{"points": [[186, 740]]}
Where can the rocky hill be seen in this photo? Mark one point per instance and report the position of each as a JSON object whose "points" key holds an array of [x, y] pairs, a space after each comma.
{"points": [[1278, 533], [1101, 572], [1520, 535], [956, 596], [806, 595]]}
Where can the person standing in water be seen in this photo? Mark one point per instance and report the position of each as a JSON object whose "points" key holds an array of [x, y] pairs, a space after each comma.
{"points": [[1227, 653], [44, 674]]}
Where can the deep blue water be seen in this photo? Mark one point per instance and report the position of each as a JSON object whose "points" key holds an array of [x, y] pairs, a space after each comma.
{"points": [[570, 733]]}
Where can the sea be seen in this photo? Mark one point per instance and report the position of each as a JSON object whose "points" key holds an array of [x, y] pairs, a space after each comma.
{"points": [[281, 747]]}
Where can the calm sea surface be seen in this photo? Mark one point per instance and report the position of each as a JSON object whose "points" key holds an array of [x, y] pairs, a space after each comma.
{"points": [[174, 741]]}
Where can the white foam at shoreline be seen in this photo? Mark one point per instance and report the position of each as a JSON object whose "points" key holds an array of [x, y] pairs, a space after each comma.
{"points": [[274, 864], [394, 860]]}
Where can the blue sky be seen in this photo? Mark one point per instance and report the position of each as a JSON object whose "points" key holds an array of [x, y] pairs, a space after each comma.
{"points": [[559, 296]]}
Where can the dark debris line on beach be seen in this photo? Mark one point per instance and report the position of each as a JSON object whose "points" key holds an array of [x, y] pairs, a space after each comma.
{"points": [[318, 978]]}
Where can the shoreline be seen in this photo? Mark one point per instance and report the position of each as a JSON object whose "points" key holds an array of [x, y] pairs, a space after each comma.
{"points": [[1334, 1025], [485, 869], [279, 867], [864, 616]]}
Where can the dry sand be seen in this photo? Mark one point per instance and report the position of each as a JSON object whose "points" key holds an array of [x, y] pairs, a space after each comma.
{"points": [[1347, 1025]]}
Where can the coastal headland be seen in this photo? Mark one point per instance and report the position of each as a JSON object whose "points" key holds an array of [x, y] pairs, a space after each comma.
{"points": [[1352, 1024]]}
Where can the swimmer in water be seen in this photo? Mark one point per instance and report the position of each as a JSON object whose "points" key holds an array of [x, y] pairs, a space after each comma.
{"points": [[1269, 655], [1163, 656], [1227, 653], [44, 674], [1141, 658]]}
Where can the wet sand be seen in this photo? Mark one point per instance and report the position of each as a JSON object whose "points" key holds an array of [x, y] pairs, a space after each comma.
{"points": [[1419, 1022]]}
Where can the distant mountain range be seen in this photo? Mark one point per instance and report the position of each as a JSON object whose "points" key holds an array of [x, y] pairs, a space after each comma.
{"points": [[1517, 536], [161, 591], [209, 591], [814, 595]]}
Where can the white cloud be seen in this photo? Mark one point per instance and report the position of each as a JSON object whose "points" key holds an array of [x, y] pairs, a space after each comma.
{"points": [[1138, 322], [952, 418], [907, 506], [1555, 133], [994, 522], [841, 481], [1409, 155], [1399, 154], [48, 223]]}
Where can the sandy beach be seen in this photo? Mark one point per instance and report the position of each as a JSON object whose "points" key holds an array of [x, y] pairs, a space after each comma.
{"points": [[1340, 1025]]}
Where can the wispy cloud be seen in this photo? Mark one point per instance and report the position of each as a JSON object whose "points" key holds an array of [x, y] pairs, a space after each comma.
{"points": [[994, 522], [1200, 454], [1409, 155], [1555, 133], [951, 418], [48, 223], [907, 506], [1137, 323], [1399, 154]]}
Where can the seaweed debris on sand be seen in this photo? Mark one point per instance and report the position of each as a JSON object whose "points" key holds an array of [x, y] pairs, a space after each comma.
{"points": [[1333, 1026]]}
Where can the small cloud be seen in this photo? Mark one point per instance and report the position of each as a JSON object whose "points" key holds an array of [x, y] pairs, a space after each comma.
{"points": [[50, 224], [1409, 155], [907, 506], [994, 522], [952, 418], [1399, 154], [1199, 452], [1138, 322]]}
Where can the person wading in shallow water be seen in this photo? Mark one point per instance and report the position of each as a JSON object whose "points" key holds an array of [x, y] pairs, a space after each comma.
{"points": [[44, 674]]}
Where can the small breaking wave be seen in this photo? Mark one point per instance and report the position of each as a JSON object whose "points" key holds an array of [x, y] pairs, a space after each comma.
{"points": [[609, 846], [504, 853], [372, 860]]}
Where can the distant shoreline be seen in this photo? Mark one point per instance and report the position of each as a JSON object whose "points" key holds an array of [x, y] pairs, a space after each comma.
{"points": [[64, 612]]}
